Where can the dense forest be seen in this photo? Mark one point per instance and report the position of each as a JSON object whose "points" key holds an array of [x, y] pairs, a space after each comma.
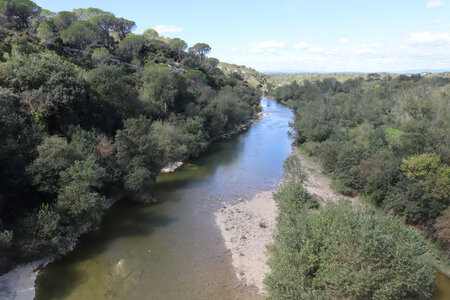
{"points": [[88, 110], [385, 138]]}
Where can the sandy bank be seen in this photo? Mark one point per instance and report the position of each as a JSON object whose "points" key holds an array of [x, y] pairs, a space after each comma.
{"points": [[247, 227], [18, 284], [317, 183]]}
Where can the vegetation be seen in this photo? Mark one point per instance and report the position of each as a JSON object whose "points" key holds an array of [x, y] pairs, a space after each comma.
{"points": [[383, 136], [340, 251], [88, 108]]}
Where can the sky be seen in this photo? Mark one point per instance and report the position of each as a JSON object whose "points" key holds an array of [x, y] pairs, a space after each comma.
{"points": [[298, 35]]}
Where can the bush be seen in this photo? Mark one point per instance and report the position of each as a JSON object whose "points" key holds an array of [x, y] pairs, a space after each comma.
{"points": [[292, 197], [341, 252]]}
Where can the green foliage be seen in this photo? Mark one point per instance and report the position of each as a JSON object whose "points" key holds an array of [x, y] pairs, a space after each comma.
{"points": [[130, 46], [101, 56], [115, 91], [386, 137], [196, 141], [292, 169], [80, 205], [171, 140], [123, 27], [68, 119], [340, 252], [6, 237], [46, 35], [41, 234], [150, 34], [80, 34], [52, 90], [200, 49], [105, 23], [84, 173], [159, 89], [421, 166], [425, 192], [87, 13], [139, 156], [63, 20], [18, 12], [225, 112], [55, 156]]}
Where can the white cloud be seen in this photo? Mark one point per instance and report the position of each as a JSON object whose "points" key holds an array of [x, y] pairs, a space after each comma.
{"points": [[316, 49], [344, 40], [430, 38], [301, 45], [437, 21], [266, 46], [168, 29], [435, 4], [416, 50]]}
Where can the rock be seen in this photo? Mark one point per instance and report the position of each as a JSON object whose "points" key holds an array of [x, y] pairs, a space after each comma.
{"points": [[172, 167]]}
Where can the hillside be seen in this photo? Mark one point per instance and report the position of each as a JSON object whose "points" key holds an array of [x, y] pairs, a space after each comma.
{"points": [[89, 110]]}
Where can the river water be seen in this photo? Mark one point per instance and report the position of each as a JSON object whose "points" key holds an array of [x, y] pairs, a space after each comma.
{"points": [[173, 249]]}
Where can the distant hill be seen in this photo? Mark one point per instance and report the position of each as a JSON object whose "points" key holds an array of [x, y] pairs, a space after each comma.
{"points": [[253, 77], [413, 71]]}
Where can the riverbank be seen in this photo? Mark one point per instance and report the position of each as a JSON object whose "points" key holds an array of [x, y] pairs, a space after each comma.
{"points": [[172, 167], [248, 226]]}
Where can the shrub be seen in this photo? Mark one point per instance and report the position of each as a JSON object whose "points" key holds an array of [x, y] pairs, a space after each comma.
{"points": [[341, 252]]}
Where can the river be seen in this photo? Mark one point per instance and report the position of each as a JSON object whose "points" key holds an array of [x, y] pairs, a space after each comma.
{"points": [[173, 249]]}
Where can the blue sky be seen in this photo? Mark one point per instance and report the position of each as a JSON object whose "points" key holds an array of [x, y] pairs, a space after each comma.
{"points": [[306, 35]]}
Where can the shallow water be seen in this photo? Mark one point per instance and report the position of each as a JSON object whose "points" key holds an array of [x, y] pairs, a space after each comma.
{"points": [[173, 250], [441, 286]]}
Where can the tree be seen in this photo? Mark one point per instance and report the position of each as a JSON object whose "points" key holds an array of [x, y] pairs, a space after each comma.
{"points": [[87, 13], [114, 90], [79, 34], [123, 27], [130, 46], [106, 25], [101, 56], [159, 89], [46, 35], [41, 17], [171, 140], [19, 11], [200, 50], [150, 34], [139, 156], [63, 20], [179, 46], [225, 112], [52, 89], [54, 156], [78, 199], [41, 234]]}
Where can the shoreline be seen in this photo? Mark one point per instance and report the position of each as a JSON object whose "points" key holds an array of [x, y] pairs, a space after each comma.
{"points": [[247, 228]]}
